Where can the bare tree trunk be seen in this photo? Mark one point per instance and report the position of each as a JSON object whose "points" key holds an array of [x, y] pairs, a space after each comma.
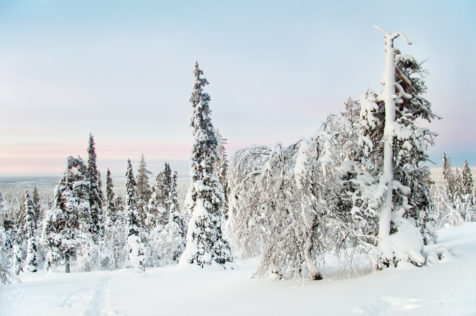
{"points": [[386, 179], [66, 263], [313, 271]]}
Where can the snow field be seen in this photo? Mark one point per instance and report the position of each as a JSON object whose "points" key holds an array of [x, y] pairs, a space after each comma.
{"points": [[444, 288]]}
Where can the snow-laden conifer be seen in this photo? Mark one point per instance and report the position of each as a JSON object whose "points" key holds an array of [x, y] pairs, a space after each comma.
{"points": [[66, 224], [448, 176], [5, 265], [173, 235], [37, 204], [136, 252], [205, 240], [32, 257], [167, 225], [143, 188], [159, 204], [114, 233], [468, 186], [95, 194]]}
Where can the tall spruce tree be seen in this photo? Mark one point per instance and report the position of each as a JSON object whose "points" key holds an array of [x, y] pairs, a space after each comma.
{"points": [[205, 240], [136, 253], [95, 193], [31, 218]]}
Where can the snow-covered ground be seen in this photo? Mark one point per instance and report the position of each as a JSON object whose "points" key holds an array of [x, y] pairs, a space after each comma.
{"points": [[446, 288]]}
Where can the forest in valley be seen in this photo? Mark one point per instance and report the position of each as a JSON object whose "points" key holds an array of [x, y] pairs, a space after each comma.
{"points": [[359, 188]]}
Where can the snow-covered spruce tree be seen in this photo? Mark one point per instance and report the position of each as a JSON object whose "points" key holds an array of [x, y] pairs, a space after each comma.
{"points": [[30, 227], [172, 238], [5, 270], [166, 223], [95, 194], [65, 223], [163, 190], [458, 188], [136, 254], [175, 213], [448, 177], [468, 186], [205, 240], [111, 211], [156, 203], [404, 182], [143, 188], [37, 204], [114, 230], [159, 204]]}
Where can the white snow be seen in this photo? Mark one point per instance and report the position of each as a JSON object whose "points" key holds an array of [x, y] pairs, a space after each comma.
{"points": [[447, 287]]}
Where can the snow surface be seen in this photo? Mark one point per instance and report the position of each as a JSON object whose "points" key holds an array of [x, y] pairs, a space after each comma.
{"points": [[445, 288]]}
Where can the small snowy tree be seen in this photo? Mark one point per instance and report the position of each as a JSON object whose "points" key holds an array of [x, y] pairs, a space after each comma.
{"points": [[31, 225], [5, 271], [111, 211], [17, 259], [37, 204], [448, 176], [95, 194], [167, 224], [143, 189], [64, 224], [205, 241], [134, 239], [114, 234], [468, 185], [167, 239]]}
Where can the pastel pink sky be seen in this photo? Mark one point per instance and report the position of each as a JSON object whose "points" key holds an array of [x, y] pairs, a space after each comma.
{"points": [[122, 70]]}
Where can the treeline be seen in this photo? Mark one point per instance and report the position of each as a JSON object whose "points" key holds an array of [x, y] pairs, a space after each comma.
{"points": [[88, 229]]}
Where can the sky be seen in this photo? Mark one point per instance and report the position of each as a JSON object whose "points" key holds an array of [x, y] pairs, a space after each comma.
{"points": [[123, 71]]}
